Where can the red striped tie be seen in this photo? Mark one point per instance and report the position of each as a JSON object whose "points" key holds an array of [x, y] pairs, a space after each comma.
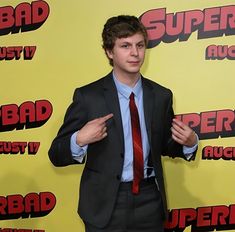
{"points": [[138, 163]]}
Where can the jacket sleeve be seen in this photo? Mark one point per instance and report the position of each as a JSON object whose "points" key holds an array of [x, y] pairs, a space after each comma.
{"points": [[75, 118], [172, 148]]}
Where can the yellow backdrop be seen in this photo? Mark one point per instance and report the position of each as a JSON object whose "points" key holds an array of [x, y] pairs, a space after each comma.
{"points": [[48, 48]]}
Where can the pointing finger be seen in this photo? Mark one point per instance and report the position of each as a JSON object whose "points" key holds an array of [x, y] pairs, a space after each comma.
{"points": [[178, 123], [105, 118]]}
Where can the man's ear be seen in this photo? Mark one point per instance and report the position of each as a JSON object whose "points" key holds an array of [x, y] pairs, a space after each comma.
{"points": [[109, 53]]}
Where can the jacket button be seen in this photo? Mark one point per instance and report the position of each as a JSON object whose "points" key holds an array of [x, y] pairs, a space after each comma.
{"points": [[122, 155], [118, 177]]}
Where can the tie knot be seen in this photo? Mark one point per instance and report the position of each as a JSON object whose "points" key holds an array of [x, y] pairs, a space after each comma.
{"points": [[132, 96]]}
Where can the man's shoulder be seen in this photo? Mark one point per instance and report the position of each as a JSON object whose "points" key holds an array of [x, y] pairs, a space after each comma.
{"points": [[156, 86], [96, 84]]}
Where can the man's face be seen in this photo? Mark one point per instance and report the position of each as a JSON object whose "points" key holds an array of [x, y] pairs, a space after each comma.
{"points": [[128, 54]]}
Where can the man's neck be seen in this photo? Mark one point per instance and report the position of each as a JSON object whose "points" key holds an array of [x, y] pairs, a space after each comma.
{"points": [[129, 79]]}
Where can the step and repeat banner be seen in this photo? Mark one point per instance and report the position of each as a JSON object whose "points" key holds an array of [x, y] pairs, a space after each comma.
{"points": [[48, 48]]}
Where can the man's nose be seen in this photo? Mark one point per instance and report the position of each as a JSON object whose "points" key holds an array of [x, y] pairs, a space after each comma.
{"points": [[134, 51]]}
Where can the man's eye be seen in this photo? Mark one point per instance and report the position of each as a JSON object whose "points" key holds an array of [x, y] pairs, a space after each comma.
{"points": [[140, 45], [125, 46]]}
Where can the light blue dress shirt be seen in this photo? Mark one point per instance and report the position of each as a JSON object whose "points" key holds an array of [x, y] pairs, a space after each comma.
{"points": [[124, 92]]}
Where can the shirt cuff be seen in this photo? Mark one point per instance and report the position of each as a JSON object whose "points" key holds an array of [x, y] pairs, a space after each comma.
{"points": [[77, 151], [188, 151]]}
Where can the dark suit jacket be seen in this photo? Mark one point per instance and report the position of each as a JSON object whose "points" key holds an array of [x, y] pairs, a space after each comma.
{"points": [[103, 167]]}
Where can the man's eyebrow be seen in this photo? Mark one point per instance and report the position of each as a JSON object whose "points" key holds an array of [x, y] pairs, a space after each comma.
{"points": [[141, 41]]}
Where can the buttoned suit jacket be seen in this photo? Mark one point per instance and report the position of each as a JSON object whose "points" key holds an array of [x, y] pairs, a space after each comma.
{"points": [[104, 160]]}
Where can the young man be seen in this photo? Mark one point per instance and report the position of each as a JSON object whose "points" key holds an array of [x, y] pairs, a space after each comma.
{"points": [[122, 124]]}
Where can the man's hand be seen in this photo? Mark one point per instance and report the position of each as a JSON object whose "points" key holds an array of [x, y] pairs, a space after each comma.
{"points": [[183, 134], [93, 131]]}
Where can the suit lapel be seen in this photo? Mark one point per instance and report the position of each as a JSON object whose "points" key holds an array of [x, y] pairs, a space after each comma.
{"points": [[148, 100], [111, 98]]}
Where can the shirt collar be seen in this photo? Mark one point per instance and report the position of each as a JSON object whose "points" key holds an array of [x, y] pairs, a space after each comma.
{"points": [[126, 90]]}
